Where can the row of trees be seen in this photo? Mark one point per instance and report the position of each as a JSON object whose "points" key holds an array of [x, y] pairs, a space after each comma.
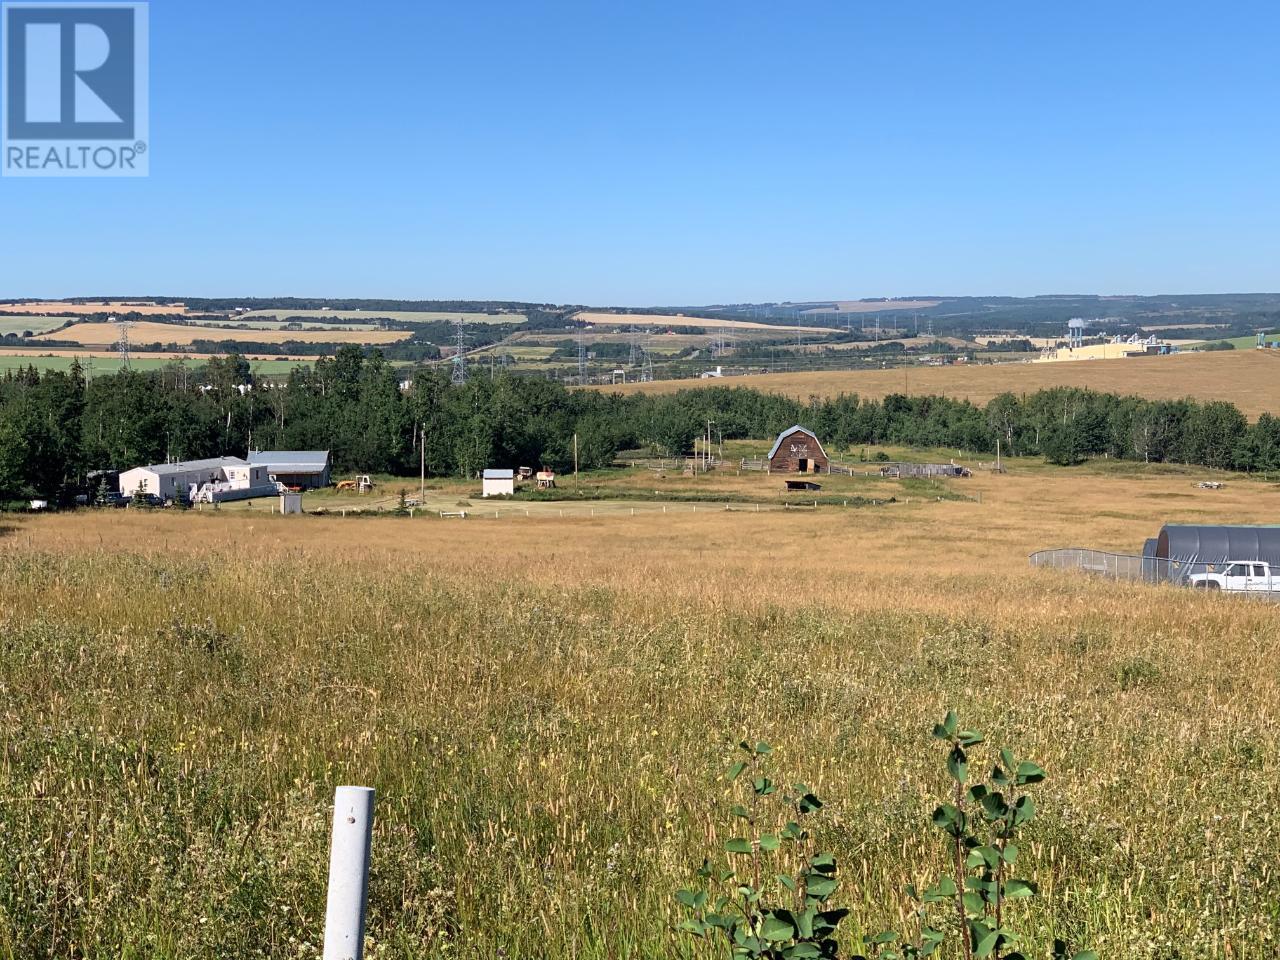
{"points": [[55, 426]]}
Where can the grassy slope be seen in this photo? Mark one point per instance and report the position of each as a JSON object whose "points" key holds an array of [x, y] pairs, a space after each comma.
{"points": [[19, 325], [543, 706], [101, 365], [1248, 378]]}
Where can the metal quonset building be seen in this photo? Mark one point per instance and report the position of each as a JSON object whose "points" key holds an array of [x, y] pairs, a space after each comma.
{"points": [[1203, 545], [1150, 564]]}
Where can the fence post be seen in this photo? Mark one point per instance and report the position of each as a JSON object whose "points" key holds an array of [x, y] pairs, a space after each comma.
{"points": [[348, 873]]}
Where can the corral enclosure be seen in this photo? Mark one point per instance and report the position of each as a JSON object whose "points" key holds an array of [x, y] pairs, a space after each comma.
{"points": [[545, 707]]}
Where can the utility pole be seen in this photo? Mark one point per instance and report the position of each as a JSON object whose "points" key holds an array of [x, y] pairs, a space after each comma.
{"points": [[422, 464], [575, 454]]}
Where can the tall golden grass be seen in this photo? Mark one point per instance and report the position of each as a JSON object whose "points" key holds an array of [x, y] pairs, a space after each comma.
{"points": [[544, 707], [1248, 378]]}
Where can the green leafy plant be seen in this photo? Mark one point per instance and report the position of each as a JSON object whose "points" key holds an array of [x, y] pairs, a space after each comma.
{"points": [[769, 897], [982, 822]]}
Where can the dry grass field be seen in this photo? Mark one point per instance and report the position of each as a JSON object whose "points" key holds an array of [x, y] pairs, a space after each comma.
{"points": [[97, 306], [544, 706], [1248, 378], [108, 353], [409, 316], [103, 334], [601, 318]]}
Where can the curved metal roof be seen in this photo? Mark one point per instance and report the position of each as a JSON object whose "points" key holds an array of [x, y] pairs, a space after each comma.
{"points": [[1218, 544], [788, 432]]}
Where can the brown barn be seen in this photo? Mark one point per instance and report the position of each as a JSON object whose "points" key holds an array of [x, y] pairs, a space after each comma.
{"points": [[797, 450]]}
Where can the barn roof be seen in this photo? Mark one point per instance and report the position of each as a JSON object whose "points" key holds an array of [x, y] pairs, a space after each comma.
{"points": [[292, 461], [788, 432], [1218, 544]]}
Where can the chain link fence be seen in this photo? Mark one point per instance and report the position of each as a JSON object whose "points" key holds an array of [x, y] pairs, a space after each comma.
{"points": [[1120, 566]]}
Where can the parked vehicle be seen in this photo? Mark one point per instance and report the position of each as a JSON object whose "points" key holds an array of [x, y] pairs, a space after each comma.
{"points": [[1241, 576]]}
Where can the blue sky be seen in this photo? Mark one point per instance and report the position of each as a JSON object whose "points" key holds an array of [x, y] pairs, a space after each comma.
{"points": [[680, 153]]}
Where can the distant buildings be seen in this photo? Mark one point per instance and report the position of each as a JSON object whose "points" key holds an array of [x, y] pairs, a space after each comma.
{"points": [[229, 478], [200, 481]]}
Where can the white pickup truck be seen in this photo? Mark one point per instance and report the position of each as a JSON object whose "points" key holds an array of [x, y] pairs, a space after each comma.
{"points": [[1242, 576]]}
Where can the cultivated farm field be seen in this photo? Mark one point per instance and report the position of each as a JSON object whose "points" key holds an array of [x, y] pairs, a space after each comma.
{"points": [[95, 362], [34, 323], [1248, 378], [408, 316], [602, 318], [546, 707], [100, 334], [96, 306]]}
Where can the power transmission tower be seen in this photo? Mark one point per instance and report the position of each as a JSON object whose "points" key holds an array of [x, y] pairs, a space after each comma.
{"points": [[122, 344], [646, 370], [582, 359], [459, 356]]}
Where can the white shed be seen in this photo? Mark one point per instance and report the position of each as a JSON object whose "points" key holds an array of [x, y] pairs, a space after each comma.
{"points": [[499, 483]]}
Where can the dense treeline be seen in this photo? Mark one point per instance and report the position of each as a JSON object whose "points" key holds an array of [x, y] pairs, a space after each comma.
{"points": [[54, 427]]}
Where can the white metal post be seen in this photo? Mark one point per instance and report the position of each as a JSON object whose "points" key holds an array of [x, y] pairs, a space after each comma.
{"points": [[348, 873]]}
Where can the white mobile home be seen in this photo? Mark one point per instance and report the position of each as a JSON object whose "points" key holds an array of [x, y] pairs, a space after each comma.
{"points": [[208, 481]]}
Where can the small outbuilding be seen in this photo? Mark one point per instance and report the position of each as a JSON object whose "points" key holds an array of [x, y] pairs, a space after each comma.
{"points": [[798, 450], [296, 469], [498, 483]]}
